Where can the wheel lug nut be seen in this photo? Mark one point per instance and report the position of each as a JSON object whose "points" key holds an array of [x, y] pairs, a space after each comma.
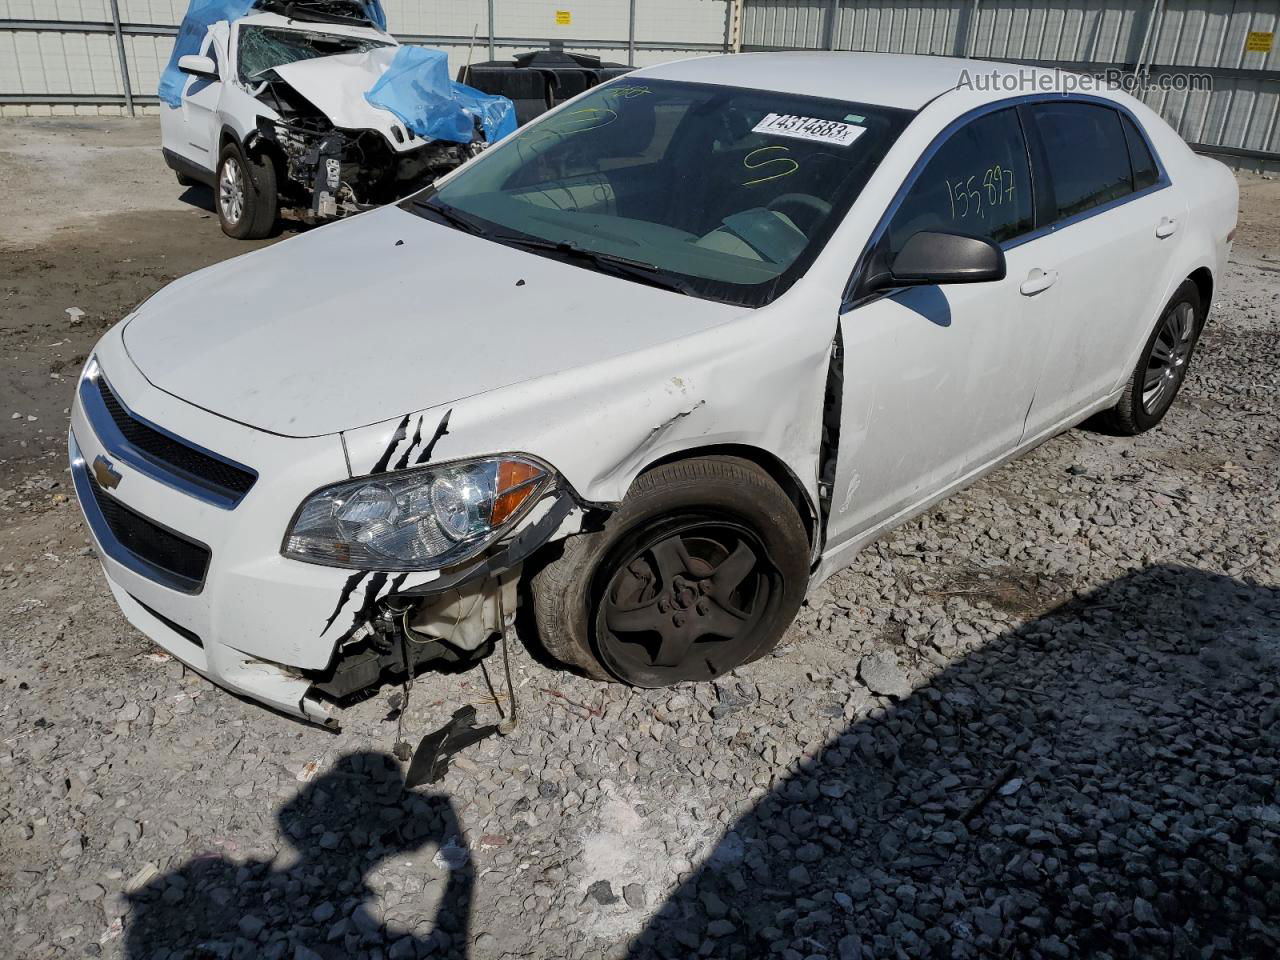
{"points": [[663, 605], [704, 586], [678, 619], [702, 608]]}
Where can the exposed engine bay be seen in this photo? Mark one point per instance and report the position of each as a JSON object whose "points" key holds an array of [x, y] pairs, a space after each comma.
{"points": [[324, 171]]}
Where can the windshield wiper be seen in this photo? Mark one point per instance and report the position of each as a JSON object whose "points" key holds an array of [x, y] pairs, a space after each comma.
{"points": [[641, 272], [451, 216]]}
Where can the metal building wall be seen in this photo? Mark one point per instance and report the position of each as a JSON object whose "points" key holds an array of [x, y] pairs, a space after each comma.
{"points": [[1171, 38], [62, 56]]}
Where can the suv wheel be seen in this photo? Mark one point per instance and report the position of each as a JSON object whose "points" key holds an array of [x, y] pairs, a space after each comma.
{"points": [[245, 195], [701, 570]]}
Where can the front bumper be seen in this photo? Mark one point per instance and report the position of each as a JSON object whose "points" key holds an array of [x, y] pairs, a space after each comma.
{"points": [[246, 618]]}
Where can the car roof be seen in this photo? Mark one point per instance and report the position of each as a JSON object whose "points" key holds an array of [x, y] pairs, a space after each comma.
{"points": [[907, 81], [340, 29]]}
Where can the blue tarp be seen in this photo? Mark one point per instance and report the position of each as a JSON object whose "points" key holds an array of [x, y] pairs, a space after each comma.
{"points": [[417, 89], [201, 15]]}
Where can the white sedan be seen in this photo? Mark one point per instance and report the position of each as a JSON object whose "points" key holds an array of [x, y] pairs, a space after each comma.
{"points": [[655, 364]]}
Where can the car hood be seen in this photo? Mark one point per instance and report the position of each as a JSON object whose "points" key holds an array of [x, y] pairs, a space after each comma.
{"points": [[337, 85], [370, 318]]}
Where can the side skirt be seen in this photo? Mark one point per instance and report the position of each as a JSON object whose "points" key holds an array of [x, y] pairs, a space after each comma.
{"points": [[188, 168]]}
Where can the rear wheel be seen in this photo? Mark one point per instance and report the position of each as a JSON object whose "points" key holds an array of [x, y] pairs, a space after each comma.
{"points": [[700, 571], [1163, 365], [245, 195]]}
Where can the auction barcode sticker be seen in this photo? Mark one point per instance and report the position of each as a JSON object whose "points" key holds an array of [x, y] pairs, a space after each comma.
{"points": [[809, 128]]}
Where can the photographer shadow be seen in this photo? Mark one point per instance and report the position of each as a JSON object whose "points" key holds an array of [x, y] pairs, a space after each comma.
{"points": [[318, 905], [1101, 781]]}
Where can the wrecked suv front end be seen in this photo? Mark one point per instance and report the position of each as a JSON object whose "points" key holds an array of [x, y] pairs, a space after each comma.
{"points": [[300, 108], [349, 131]]}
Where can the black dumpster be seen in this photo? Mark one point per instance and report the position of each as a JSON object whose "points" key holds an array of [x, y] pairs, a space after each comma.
{"points": [[536, 81]]}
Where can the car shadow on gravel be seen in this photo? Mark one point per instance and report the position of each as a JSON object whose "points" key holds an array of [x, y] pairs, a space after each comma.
{"points": [[1100, 782], [315, 904]]}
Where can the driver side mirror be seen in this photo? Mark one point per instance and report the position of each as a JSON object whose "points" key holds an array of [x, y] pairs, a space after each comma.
{"points": [[198, 66], [929, 258]]}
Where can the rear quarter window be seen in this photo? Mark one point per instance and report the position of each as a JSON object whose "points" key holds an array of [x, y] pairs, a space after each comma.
{"points": [[1145, 171], [1086, 154]]}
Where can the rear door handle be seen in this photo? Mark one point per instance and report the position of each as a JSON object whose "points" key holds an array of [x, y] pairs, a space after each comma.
{"points": [[1167, 227], [1038, 281]]}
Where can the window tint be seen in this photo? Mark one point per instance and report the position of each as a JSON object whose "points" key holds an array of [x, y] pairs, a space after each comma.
{"points": [[1086, 154], [1144, 165], [977, 183]]}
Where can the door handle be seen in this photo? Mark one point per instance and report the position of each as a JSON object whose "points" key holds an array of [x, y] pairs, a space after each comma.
{"points": [[1167, 227], [1038, 281]]}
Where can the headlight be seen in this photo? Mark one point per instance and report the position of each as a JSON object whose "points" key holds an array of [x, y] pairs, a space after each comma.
{"points": [[415, 519]]}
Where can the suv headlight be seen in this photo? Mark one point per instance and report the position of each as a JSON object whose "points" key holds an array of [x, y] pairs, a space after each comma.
{"points": [[415, 519]]}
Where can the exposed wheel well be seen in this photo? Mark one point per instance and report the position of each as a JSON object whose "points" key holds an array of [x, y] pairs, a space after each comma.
{"points": [[1203, 280], [777, 470]]}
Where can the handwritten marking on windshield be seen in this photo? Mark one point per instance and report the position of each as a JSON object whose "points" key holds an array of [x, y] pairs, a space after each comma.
{"points": [[627, 92], [790, 165]]}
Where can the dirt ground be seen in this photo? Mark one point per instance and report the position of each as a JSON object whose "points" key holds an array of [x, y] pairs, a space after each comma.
{"points": [[1040, 720], [94, 222]]}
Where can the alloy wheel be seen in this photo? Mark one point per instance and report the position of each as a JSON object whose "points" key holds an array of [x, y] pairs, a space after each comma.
{"points": [[1168, 359], [231, 191], [685, 603]]}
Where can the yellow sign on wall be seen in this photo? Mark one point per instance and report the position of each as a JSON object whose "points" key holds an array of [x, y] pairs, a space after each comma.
{"points": [[1259, 41], [565, 17]]}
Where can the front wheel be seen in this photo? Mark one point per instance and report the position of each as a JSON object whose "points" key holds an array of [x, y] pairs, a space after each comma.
{"points": [[1163, 365], [701, 570], [245, 195]]}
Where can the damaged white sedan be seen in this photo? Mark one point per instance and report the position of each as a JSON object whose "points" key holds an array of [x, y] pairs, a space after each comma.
{"points": [[311, 106], [653, 366]]}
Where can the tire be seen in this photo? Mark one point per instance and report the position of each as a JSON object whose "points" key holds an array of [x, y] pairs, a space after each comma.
{"points": [[641, 600], [245, 195], [1162, 367]]}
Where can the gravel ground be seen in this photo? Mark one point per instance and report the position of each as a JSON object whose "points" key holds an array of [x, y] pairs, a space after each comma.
{"points": [[1039, 721]]}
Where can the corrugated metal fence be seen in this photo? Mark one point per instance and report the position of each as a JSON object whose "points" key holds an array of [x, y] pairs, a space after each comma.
{"points": [[1232, 43], [66, 55]]}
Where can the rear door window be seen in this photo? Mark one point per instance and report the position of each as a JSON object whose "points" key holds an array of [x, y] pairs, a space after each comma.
{"points": [[1145, 172], [977, 183], [1086, 154]]}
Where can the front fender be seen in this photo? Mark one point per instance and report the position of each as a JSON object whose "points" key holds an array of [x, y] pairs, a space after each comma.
{"points": [[743, 383]]}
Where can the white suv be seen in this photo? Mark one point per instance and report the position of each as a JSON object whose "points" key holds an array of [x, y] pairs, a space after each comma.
{"points": [[272, 112]]}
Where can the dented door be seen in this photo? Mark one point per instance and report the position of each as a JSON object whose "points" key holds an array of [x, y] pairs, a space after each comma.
{"points": [[937, 382]]}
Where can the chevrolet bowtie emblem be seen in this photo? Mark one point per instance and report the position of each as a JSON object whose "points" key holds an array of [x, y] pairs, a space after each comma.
{"points": [[105, 473]]}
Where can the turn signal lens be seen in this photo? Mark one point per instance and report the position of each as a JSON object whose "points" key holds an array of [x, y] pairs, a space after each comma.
{"points": [[517, 481]]}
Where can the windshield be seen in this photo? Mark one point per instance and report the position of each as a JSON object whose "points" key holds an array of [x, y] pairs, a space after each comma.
{"points": [[265, 48], [730, 192]]}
